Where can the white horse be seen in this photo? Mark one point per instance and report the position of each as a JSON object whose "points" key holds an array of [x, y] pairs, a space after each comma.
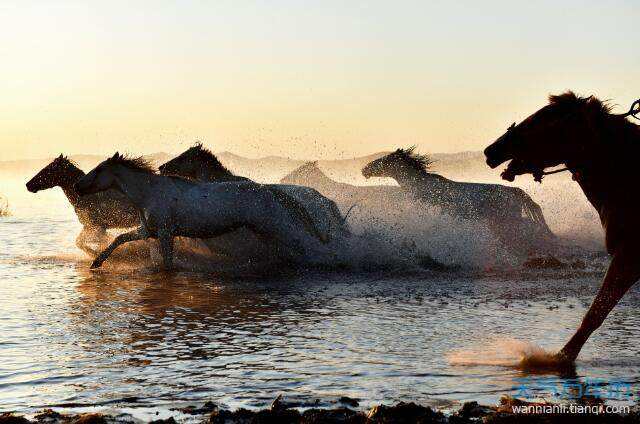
{"points": [[174, 206], [199, 163]]}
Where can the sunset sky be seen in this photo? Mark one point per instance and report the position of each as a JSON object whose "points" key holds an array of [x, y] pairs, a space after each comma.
{"points": [[301, 79]]}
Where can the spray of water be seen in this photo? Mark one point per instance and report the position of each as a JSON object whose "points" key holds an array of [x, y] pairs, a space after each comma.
{"points": [[394, 232], [408, 232], [505, 352]]}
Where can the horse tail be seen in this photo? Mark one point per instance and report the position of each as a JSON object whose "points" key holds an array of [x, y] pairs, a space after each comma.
{"points": [[533, 211], [298, 209]]}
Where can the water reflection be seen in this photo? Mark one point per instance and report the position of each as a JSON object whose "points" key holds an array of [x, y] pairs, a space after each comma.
{"points": [[184, 316]]}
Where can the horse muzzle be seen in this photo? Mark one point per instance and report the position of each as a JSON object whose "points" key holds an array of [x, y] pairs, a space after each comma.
{"points": [[495, 154], [31, 188], [367, 173], [494, 162]]}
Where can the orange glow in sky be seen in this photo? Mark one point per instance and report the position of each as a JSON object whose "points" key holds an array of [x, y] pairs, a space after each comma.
{"points": [[302, 79]]}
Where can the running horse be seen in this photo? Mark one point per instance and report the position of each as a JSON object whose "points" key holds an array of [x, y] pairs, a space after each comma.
{"points": [[199, 163], [171, 206], [601, 151], [97, 212], [510, 213]]}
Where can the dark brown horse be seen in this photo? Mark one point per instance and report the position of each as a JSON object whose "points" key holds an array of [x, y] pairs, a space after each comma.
{"points": [[601, 150], [96, 212]]}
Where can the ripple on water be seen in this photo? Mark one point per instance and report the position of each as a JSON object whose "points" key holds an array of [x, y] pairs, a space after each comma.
{"points": [[68, 335]]}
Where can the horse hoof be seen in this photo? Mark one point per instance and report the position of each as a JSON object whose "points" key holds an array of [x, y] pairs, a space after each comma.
{"points": [[563, 359]]}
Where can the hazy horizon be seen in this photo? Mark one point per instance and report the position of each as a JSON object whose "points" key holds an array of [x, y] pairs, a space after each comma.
{"points": [[223, 152], [323, 80]]}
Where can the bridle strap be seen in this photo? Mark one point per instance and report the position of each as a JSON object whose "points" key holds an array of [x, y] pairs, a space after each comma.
{"points": [[555, 171], [633, 112], [537, 176]]}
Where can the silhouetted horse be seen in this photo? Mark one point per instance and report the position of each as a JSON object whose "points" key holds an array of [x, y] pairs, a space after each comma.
{"points": [[97, 212], [172, 206], [199, 163], [508, 211], [347, 195], [601, 151]]}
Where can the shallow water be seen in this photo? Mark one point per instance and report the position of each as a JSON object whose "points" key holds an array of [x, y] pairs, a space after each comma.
{"points": [[142, 340]]}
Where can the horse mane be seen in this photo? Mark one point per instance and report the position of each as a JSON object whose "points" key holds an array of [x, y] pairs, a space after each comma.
{"points": [[307, 166], [309, 172], [619, 129], [569, 99], [209, 158], [136, 163], [420, 162], [67, 160], [599, 108], [303, 169]]}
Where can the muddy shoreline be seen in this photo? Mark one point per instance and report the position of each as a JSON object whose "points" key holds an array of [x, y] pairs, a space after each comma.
{"points": [[280, 412]]}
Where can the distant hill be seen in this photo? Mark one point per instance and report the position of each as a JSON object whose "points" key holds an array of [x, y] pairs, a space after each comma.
{"points": [[28, 167], [566, 208], [464, 165], [272, 168]]}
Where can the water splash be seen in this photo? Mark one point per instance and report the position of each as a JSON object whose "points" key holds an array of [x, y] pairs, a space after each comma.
{"points": [[4, 206], [504, 352]]}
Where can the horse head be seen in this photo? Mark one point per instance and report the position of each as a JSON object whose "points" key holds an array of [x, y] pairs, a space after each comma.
{"points": [[398, 162], [556, 134], [61, 171], [304, 174], [197, 162], [184, 165], [105, 175]]}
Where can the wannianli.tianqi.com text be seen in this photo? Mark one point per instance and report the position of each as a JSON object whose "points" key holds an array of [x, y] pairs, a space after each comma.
{"points": [[570, 409]]}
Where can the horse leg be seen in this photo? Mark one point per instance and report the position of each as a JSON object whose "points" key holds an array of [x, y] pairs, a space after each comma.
{"points": [[166, 248], [137, 234], [623, 272]]}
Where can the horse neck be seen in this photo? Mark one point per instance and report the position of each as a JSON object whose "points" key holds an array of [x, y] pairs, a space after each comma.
{"points": [[605, 170], [305, 177], [214, 173], [321, 178], [137, 186], [409, 177], [66, 184]]}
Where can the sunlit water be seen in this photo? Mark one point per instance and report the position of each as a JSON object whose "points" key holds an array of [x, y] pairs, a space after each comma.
{"points": [[144, 340]]}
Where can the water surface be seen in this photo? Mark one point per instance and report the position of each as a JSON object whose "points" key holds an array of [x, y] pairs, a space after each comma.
{"points": [[140, 339]]}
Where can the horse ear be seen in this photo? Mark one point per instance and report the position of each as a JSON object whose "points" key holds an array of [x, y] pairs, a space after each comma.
{"points": [[61, 156], [116, 155]]}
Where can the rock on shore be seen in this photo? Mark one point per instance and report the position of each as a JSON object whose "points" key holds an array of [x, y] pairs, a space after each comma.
{"points": [[401, 413]]}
